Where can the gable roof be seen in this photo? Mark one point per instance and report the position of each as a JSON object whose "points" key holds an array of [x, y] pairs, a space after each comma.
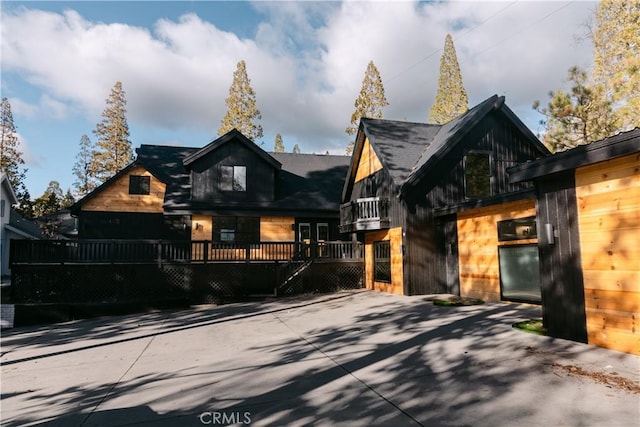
{"points": [[619, 145], [233, 134], [78, 204], [8, 189], [23, 227], [409, 150]]}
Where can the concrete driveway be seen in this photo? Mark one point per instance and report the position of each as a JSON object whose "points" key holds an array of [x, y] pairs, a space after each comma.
{"points": [[354, 359]]}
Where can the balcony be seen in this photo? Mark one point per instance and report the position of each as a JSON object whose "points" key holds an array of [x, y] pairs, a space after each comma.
{"points": [[371, 213]]}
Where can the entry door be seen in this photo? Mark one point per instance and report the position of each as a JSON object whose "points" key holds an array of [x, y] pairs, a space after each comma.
{"points": [[304, 232], [450, 241]]}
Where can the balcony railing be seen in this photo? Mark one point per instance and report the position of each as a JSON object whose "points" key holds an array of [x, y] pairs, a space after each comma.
{"points": [[370, 213]]}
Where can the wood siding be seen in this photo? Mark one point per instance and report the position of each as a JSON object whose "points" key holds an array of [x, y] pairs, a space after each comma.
{"points": [[396, 286], [369, 162], [116, 197], [608, 197], [205, 175], [478, 247], [277, 229], [201, 227]]}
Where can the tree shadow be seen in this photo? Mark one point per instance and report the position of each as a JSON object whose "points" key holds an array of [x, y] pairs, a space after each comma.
{"points": [[363, 359]]}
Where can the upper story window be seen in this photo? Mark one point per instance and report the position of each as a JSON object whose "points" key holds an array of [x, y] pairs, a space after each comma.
{"points": [[233, 178], [139, 184], [477, 175]]}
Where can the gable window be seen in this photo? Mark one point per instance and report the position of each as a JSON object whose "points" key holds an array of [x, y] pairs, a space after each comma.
{"points": [[477, 175], [233, 178], [236, 229], [382, 261], [139, 184]]}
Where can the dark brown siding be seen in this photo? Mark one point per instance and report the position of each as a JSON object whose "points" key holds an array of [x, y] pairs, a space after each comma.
{"points": [[205, 175], [379, 184], [495, 135], [562, 285]]}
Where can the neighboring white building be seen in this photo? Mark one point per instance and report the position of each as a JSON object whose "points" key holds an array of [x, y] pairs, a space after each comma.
{"points": [[12, 225]]}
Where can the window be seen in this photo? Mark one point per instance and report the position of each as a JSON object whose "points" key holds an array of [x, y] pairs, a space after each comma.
{"points": [[233, 178], [236, 229], [477, 175], [139, 184], [323, 232], [519, 273], [382, 261]]}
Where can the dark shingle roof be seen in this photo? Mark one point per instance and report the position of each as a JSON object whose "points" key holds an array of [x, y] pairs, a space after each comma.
{"points": [[619, 145], [398, 144], [305, 181], [409, 150]]}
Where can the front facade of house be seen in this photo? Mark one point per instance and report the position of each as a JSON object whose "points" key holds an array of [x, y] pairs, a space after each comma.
{"points": [[588, 210], [436, 210], [228, 191]]}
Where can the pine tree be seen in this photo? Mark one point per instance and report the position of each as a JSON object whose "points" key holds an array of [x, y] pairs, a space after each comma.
{"points": [[369, 103], [50, 201], [577, 117], [242, 110], [296, 149], [82, 168], [113, 149], [616, 41], [68, 200], [278, 145], [11, 160], [451, 99]]}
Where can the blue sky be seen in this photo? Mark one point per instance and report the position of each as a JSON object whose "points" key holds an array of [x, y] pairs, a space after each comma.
{"points": [[305, 60]]}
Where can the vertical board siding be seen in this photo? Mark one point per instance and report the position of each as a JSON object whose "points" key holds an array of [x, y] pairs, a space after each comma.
{"points": [[277, 229], [562, 285], [369, 163], [608, 195], [478, 247], [397, 274], [116, 197]]}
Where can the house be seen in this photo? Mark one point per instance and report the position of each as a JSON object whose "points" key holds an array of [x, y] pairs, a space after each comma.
{"points": [[12, 224], [588, 219], [230, 190], [435, 207]]}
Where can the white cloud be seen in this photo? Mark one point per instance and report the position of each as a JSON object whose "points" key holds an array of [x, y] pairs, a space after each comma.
{"points": [[306, 62]]}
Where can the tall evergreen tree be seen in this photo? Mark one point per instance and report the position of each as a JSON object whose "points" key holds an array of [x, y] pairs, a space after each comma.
{"points": [[113, 149], [616, 43], [296, 149], [242, 110], [369, 102], [577, 117], [83, 168], [50, 201], [607, 99], [451, 98], [11, 161], [278, 146]]}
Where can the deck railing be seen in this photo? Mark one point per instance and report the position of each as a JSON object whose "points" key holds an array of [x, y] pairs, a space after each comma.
{"points": [[161, 251], [364, 214]]}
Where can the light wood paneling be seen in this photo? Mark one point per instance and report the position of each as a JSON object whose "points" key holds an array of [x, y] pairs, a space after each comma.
{"points": [[277, 229], [397, 273], [478, 247], [369, 162], [116, 197], [608, 196]]}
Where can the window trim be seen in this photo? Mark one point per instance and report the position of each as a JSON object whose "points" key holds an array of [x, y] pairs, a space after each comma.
{"points": [[230, 187], [489, 154], [381, 261], [142, 186]]}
